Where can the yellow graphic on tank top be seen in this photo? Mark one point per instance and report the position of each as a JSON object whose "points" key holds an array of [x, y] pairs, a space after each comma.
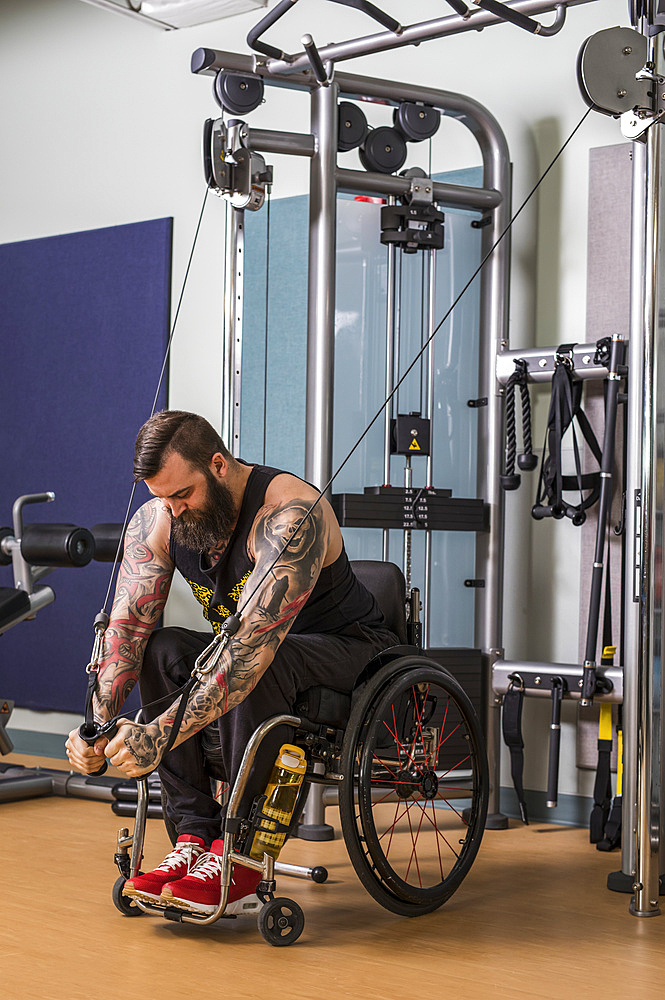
{"points": [[239, 587], [204, 595]]}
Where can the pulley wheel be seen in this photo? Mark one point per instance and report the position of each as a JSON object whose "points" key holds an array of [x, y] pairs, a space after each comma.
{"points": [[384, 150], [607, 68], [352, 127], [238, 93], [416, 121]]}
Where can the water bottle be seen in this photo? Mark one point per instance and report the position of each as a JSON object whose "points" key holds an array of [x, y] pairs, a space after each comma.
{"points": [[281, 795]]}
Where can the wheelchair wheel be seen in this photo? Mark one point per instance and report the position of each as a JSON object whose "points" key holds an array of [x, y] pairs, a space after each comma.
{"points": [[413, 801]]}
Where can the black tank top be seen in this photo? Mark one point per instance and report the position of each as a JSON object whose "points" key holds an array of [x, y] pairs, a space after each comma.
{"points": [[337, 601]]}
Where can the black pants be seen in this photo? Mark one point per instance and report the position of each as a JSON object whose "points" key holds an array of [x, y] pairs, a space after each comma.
{"points": [[300, 662]]}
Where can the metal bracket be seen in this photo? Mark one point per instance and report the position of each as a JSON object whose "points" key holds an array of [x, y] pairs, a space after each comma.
{"points": [[536, 679]]}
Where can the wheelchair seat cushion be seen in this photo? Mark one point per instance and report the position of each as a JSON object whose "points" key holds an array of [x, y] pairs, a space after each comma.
{"points": [[324, 705]]}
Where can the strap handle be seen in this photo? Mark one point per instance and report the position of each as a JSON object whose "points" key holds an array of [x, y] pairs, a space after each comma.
{"points": [[511, 724]]}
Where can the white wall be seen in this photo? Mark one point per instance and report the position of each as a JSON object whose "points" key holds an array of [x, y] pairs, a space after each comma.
{"points": [[101, 125]]}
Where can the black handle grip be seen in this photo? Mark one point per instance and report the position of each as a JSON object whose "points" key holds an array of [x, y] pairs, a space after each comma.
{"points": [[555, 744], [508, 14], [90, 732]]}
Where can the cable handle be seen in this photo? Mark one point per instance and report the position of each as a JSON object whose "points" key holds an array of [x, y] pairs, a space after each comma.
{"points": [[90, 732]]}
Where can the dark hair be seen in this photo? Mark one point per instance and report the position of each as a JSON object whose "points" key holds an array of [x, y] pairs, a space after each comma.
{"points": [[175, 430]]}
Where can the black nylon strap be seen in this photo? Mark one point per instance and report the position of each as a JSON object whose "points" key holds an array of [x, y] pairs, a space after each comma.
{"points": [[602, 793], [177, 722], [565, 409], [512, 735]]}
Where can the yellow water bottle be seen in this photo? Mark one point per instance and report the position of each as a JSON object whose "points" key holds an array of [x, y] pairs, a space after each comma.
{"points": [[281, 794]]}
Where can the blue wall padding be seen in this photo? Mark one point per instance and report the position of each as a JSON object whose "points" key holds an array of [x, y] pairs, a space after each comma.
{"points": [[84, 324]]}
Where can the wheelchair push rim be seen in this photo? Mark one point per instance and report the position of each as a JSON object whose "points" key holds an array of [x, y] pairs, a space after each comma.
{"points": [[414, 813]]}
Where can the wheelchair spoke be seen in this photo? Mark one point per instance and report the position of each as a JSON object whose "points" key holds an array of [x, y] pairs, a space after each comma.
{"points": [[413, 852], [443, 729], [458, 764], [420, 786], [420, 720], [400, 745]]}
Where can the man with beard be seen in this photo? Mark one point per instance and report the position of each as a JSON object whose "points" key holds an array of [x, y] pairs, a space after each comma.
{"points": [[244, 538]]}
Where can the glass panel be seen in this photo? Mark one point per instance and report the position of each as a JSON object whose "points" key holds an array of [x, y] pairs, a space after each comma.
{"points": [[360, 359]]}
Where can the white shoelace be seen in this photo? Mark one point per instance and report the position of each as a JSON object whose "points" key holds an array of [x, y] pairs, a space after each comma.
{"points": [[207, 866], [183, 852]]}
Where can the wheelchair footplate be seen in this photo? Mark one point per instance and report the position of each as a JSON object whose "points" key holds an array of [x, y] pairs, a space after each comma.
{"points": [[280, 920]]}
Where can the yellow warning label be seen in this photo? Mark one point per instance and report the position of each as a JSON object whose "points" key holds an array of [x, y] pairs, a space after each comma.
{"points": [[414, 446]]}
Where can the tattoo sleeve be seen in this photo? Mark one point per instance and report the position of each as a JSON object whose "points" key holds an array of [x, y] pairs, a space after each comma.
{"points": [[271, 599], [143, 585]]}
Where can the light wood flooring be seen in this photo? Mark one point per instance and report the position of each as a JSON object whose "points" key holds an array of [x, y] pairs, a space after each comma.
{"points": [[532, 920]]}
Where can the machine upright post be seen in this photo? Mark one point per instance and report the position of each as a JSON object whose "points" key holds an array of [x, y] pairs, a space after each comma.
{"points": [[429, 479], [231, 373], [494, 280], [390, 364], [321, 291], [633, 487], [321, 341], [644, 903]]}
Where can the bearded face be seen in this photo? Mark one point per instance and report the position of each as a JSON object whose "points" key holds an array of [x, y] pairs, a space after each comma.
{"points": [[211, 526]]}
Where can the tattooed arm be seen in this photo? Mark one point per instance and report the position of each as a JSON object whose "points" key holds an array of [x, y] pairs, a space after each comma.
{"points": [[143, 585], [270, 602]]}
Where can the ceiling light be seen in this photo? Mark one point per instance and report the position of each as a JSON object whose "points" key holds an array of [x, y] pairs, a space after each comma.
{"points": [[178, 13]]}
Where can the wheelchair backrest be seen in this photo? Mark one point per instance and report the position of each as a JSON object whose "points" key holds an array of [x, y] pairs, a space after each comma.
{"points": [[386, 582]]}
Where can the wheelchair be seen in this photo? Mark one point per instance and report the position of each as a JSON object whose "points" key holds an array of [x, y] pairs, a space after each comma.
{"points": [[406, 754]]}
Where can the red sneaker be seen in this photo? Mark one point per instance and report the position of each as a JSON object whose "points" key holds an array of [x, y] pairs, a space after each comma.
{"points": [[200, 890], [183, 857]]}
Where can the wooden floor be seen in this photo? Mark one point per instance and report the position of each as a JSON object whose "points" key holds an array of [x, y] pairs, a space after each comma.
{"points": [[532, 920]]}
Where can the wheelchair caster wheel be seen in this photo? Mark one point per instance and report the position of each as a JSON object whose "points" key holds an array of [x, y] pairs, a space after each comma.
{"points": [[281, 922], [126, 906], [319, 874]]}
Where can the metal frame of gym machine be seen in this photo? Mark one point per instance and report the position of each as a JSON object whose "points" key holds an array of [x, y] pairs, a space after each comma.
{"points": [[326, 179], [646, 434]]}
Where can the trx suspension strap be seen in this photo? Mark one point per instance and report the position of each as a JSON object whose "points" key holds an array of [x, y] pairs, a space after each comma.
{"points": [[602, 789], [565, 409], [612, 832], [512, 734]]}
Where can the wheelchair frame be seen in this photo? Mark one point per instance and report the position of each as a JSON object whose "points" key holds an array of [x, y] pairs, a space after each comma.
{"points": [[350, 753]]}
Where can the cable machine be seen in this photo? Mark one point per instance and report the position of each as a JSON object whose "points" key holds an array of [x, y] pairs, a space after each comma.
{"points": [[415, 220]]}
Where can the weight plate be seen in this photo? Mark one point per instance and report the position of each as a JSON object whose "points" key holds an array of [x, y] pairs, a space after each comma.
{"points": [[384, 150]]}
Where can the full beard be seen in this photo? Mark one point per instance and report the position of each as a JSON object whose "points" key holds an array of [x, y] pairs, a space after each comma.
{"points": [[211, 527]]}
